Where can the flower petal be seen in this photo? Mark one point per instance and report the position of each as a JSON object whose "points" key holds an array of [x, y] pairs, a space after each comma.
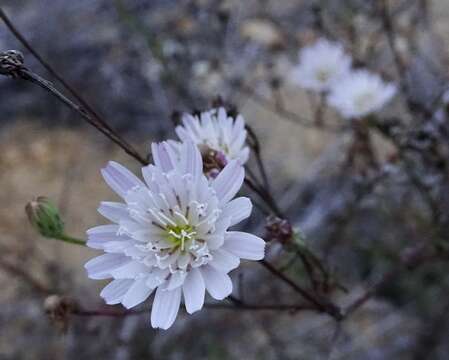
{"points": [[119, 178], [113, 292], [137, 293], [157, 277], [218, 285], [229, 181], [164, 156], [113, 211], [191, 160], [99, 236], [194, 290], [130, 270], [238, 209], [224, 261], [244, 245], [101, 266], [165, 308], [176, 280]]}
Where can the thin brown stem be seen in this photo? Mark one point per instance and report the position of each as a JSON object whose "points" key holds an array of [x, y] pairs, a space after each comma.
{"points": [[410, 260], [255, 145], [265, 196], [85, 110], [24, 276], [238, 307], [283, 112], [368, 294], [320, 304]]}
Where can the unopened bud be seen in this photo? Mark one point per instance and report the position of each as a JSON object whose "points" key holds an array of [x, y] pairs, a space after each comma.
{"points": [[413, 256], [213, 161], [44, 216], [279, 230]]}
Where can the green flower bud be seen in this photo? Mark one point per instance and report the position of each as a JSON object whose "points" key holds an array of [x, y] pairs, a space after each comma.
{"points": [[44, 216]]}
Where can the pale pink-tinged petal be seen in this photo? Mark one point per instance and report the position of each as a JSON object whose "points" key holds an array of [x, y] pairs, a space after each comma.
{"points": [[244, 245], [224, 261], [165, 308], [136, 294], [119, 178], [229, 181], [194, 291], [238, 209], [113, 292], [218, 284], [101, 266]]}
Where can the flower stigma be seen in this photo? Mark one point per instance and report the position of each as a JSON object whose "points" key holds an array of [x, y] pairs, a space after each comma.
{"points": [[179, 234]]}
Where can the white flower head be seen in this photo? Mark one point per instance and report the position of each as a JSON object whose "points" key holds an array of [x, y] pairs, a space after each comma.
{"points": [[171, 233], [442, 112], [321, 65], [361, 93], [216, 131]]}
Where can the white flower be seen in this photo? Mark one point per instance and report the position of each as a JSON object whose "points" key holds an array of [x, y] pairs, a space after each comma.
{"points": [[171, 234], [361, 93], [215, 130], [321, 65], [442, 113]]}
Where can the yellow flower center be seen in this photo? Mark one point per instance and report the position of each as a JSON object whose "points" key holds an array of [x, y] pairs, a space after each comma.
{"points": [[179, 234], [364, 100], [323, 75]]}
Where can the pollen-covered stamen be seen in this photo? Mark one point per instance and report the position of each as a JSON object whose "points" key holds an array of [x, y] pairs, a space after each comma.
{"points": [[323, 75]]}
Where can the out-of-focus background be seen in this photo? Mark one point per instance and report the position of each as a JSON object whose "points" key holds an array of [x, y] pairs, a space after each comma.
{"points": [[139, 62]]}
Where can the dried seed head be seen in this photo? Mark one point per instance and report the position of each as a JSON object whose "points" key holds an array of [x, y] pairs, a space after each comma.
{"points": [[59, 309], [278, 230], [11, 63]]}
